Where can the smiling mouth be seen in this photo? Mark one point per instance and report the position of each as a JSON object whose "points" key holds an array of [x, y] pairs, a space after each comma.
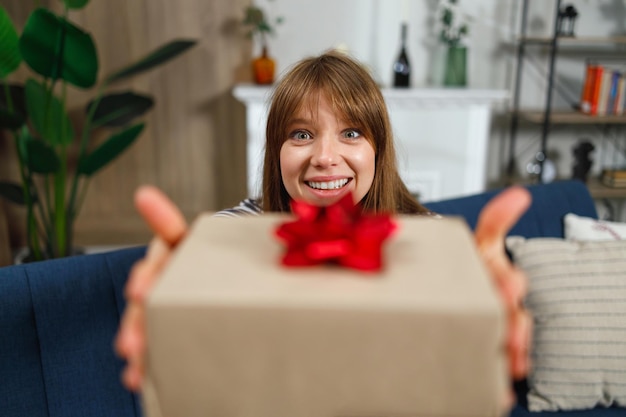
{"points": [[328, 185]]}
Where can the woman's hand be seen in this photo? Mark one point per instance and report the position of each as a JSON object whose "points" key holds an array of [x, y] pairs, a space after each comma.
{"points": [[494, 222], [169, 227]]}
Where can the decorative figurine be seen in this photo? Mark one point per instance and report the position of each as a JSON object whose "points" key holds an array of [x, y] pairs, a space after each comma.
{"points": [[543, 168], [567, 20], [582, 161]]}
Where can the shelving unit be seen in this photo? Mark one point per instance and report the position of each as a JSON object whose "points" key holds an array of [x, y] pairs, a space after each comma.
{"points": [[546, 117]]}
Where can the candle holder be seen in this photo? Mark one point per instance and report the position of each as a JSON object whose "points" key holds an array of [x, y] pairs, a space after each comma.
{"points": [[567, 21]]}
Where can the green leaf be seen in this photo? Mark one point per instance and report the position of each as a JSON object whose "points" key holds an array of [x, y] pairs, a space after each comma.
{"points": [[120, 109], [265, 27], [10, 121], [18, 100], [109, 150], [158, 57], [12, 192], [254, 16], [23, 136], [10, 57], [48, 115], [75, 4], [41, 157], [45, 35], [447, 17], [443, 36]]}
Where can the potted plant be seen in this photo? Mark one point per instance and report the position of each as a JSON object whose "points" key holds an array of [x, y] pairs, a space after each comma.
{"points": [[451, 34], [53, 181], [263, 67]]}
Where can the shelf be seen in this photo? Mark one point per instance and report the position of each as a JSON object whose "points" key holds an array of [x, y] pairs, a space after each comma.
{"points": [[600, 191], [576, 41], [596, 188], [564, 117]]}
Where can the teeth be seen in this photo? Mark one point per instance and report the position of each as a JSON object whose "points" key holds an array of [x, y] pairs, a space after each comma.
{"points": [[329, 185]]}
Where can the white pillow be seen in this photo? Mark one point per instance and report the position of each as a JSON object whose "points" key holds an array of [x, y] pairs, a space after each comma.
{"points": [[577, 298], [586, 228]]}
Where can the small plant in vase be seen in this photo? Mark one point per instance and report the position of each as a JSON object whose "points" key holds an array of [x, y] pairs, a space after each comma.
{"points": [[451, 34], [263, 67]]}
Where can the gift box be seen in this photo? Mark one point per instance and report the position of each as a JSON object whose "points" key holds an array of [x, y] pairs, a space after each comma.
{"points": [[234, 333]]}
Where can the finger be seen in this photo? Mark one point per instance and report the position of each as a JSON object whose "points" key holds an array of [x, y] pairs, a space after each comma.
{"points": [[508, 402], [130, 344], [519, 343], [161, 214], [146, 271], [510, 281], [498, 216], [132, 378]]}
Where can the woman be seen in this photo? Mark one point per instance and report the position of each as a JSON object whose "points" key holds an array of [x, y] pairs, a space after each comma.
{"points": [[328, 134]]}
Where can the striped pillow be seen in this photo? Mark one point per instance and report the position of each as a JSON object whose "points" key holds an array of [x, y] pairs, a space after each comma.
{"points": [[577, 296]]}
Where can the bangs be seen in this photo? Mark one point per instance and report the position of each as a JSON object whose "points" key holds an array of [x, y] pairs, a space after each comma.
{"points": [[347, 87], [342, 101]]}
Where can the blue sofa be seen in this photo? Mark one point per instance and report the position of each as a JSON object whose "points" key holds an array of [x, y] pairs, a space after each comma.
{"points": [[58, 319]]}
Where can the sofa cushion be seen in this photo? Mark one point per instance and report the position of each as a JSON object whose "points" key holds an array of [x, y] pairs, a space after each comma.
{"points": [[587, 228], [22, 391], [544, 218], [58, 319], [577, 296]]}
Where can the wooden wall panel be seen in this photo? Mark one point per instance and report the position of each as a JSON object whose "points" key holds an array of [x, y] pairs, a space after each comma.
{"points": [[194, 144]]}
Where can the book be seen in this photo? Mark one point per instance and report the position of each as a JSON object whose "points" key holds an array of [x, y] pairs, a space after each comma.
{"points": [[621, 96], [614, 177], [610, 182], [615, 173], [588, 87], [595, 89], [612, 96], [605, 91]]}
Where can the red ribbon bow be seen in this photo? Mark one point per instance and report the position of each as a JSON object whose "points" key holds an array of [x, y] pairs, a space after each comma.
{"points": [[341, 233]]}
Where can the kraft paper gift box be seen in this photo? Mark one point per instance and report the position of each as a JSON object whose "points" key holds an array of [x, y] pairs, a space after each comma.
{"points": [[233, 333]]}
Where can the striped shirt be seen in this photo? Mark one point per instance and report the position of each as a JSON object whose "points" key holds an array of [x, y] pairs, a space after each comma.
{"points": [[251, 206], [248, 206]]}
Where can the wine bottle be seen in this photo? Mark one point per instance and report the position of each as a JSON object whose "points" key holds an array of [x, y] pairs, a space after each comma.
{"points": [[402, 67]]}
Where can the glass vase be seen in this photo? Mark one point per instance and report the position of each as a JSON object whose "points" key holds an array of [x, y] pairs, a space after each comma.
{"points": [[456, 67], [263, 68]]}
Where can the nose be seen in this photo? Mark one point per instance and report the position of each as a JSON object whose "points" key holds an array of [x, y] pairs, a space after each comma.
{"points": [[325, 152]]}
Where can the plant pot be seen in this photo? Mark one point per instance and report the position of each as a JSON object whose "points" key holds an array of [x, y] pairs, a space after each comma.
{"points": [[456, 67], [263, 68]]}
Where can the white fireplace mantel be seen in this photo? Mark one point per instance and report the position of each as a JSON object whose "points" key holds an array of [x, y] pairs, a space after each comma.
{"points": [[441, 137]]}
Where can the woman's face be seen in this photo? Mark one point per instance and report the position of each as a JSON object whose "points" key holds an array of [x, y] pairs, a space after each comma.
{"points": [[323, 158]]}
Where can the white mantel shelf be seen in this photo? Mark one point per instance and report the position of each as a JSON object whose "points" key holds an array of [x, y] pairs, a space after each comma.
{"points": [[412, 96], [441, 136]]}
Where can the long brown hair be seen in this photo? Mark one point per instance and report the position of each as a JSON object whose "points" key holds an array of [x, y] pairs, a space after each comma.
{"points": [[353, 93]]}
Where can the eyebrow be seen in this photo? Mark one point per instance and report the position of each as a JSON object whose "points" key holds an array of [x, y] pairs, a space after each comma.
{"points": [[300, 121]]}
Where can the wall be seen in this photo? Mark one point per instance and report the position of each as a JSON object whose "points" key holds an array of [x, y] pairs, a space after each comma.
{"points": [[194, 146], [370, 30]]}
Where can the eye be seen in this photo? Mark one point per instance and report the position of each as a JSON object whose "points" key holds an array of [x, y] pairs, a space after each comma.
{"points": [[351, 134], [300, 135]]}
